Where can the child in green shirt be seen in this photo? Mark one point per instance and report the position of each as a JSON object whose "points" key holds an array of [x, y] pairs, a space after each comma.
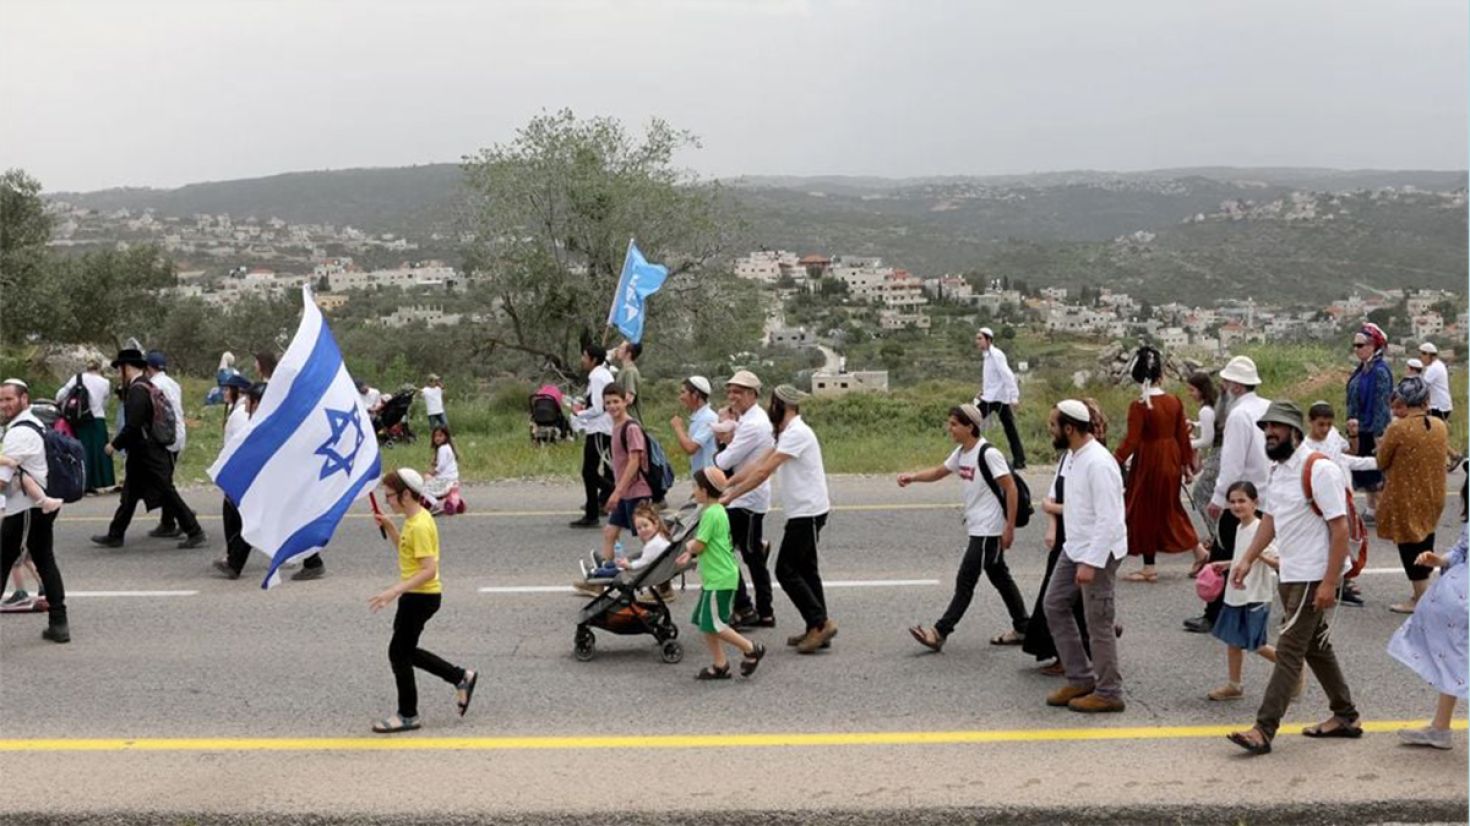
{"points": [[718, 576]]}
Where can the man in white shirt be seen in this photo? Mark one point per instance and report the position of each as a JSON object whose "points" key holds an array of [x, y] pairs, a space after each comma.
{"points": [[1000, 393], [1242, 459], [433, 393], [91, 430], [591, 419], [26, 526], [1311, 537], [753, 437], [698, 441], [990, 521], [158, 375], [1096, 542], [371, 398], [796, 461], [1437, 376]]}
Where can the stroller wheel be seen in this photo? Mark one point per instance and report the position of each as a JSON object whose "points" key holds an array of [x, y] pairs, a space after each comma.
{"points": [[585, 645], [672, 652]]}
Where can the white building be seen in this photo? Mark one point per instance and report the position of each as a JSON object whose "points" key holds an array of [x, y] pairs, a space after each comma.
{"points": [[432, 315], [898, 320], [840, 384], [1427, 325], [767, 266]]}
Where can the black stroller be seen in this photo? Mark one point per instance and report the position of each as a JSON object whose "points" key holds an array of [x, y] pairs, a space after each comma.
{"points": [[391, 423], [548, 421], [619, 610]]}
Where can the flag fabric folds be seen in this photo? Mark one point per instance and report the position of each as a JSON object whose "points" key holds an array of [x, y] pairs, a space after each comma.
{"points": [[306, 455], [640, 279]]}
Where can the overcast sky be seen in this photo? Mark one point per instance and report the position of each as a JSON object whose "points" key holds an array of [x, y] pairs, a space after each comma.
{"points": [[121, 92]]}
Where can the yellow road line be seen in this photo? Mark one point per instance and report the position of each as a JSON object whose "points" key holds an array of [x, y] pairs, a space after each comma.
{"points": [[676, 741]]}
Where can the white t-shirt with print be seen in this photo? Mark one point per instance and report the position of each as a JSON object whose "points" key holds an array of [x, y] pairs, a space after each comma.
{"points": [[984, 514]]}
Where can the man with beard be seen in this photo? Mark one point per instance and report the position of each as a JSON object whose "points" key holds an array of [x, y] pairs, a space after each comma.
{"points": [[1096, 542], [1311, 536]]}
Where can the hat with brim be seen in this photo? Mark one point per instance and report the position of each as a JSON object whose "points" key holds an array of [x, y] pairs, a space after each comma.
{"points": [[237, 381], [1428, 348], [1282, 412], [746, 379], [789, 394], [1241, 370], [412, 480], [699, 383], [130, 358]]}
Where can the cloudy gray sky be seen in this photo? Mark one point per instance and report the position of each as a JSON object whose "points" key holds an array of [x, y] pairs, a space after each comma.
{"points": [[127, 92]]}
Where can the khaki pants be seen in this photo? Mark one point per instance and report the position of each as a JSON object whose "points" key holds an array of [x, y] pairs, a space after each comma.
{"points": [[1304, 640], [1100, 671]]}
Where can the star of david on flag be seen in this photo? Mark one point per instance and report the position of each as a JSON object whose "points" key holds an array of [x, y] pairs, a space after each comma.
{"points": [[306, 455], [640, 279]]}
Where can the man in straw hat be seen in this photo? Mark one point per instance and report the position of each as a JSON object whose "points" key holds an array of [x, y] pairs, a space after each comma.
{"points": [[753, 437], [1311, 536]]}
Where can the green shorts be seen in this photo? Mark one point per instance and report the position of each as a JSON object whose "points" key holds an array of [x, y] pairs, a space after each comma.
{"points": [[712, 611]]}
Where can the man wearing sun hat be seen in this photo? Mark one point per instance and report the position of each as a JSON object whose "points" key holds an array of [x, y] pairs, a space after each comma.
{"points": [[698, 442], [1437, 377]]}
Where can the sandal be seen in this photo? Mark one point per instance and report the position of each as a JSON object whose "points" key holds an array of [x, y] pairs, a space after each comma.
{"points": [[927, 637], [1008, 638], [467, 686], [395, 724], [1402, 608], [751, 661], [1347, 729], [1142, 576], [709, 672], [1245, 741]]}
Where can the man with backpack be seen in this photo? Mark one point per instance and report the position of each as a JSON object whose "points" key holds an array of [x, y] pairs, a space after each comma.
{"points": [[1307, 513], [149, 427], [992, 507], [26, 527], [83, 403], [158, 376]]}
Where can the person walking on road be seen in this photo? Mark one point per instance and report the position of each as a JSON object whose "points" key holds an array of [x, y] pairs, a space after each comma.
{"points": [[753, 437], [1097, 541], [1000, 394], [1243, 623], [168, 522], [801, 477], [419, 593], [630, 468], [149, 469], [1412, 456], [26, 527], [1242, 459], [698, 441], [1368, 392], [991, 503], [590, 418], [629, 378], [91, 424], [711, 545], [1437, 376], [1305, 514], [236, 397]]}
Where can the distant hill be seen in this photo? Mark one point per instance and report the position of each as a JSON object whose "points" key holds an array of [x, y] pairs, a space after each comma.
{"points": [[1052, 228]]}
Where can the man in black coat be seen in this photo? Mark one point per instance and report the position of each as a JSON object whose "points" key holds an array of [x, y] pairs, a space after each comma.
{"points": [[148, 470]]}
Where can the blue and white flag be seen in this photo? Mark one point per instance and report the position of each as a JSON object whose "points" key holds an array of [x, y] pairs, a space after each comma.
{"points": [[307, 454], [640, 280]]}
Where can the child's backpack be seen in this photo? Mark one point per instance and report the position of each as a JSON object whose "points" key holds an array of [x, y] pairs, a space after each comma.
{"points": [[1023, 491], [77, 407], [163, 428], [656, 469], [66, 464], [1357, 529]]}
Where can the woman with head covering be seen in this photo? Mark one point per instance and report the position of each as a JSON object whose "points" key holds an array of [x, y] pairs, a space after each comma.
{"points": [[1368, 389], [1158, 443], [1412, 456]]}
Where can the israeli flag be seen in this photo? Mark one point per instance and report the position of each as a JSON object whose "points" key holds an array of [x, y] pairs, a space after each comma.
{"points": [[307, 454], [640, 280]]}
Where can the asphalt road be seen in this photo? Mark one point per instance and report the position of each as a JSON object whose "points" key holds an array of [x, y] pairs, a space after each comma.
{"points": [[277, 689]]}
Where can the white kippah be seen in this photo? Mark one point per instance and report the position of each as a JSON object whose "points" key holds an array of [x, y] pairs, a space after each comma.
{"points": [[1074, 410], [18, 383]]}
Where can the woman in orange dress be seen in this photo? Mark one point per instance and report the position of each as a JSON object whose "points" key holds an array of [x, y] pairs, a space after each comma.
{"points": [[1158, 443]]}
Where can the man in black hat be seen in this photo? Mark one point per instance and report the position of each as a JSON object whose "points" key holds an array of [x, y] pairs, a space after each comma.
{"points": [[149, 469]]}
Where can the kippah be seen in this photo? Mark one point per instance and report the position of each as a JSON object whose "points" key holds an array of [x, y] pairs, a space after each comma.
{"points": [[1074, 410]]}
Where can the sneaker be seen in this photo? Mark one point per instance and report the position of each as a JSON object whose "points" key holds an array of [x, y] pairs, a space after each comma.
{"points": [[1095, 704], [19, 602], [817, 638], [161, 532], [17, 596], [1434, 738], [1351, 596], [1066, 694], [1198, 625], [585, 522], [107, 540], [309, 573], [193, 540], [795, 640], [57, 632], [224, 567]]}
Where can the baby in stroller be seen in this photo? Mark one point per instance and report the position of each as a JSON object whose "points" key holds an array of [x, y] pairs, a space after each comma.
{"points": [[652, 531]]}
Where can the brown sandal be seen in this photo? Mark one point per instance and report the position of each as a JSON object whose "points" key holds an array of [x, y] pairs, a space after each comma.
{"points": [[927, 637]]}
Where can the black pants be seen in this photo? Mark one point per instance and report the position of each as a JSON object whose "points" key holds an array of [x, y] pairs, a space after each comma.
{"points": [[33, 531], [1038, 642], [1013, 436], [1223, 550], [237, 550], [597, 480], [796, 568], [1408, 552], [414, 611], [1441, 414], [983, 554], [132, 494], [747, 529], [167, 519]]}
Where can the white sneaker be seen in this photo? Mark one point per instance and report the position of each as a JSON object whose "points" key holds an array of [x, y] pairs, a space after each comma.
{"points": [[1432, 737]]}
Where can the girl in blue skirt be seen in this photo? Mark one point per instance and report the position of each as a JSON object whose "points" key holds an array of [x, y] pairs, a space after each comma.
{"points": [[1244, 618]]}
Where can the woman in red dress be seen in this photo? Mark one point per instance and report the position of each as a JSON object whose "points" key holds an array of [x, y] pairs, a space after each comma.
{"points": [[1158, 443]]}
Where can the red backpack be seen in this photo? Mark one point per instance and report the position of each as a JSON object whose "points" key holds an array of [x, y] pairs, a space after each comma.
{"points": [[1357, 529]]}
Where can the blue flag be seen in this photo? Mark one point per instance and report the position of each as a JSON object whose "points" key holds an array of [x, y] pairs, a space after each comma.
{"points": [[640, 280]]}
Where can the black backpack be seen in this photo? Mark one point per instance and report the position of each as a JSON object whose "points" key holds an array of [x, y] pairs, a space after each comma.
{"points": [[1023, 491], [659, 473], [77, 408], [66, 464]]}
